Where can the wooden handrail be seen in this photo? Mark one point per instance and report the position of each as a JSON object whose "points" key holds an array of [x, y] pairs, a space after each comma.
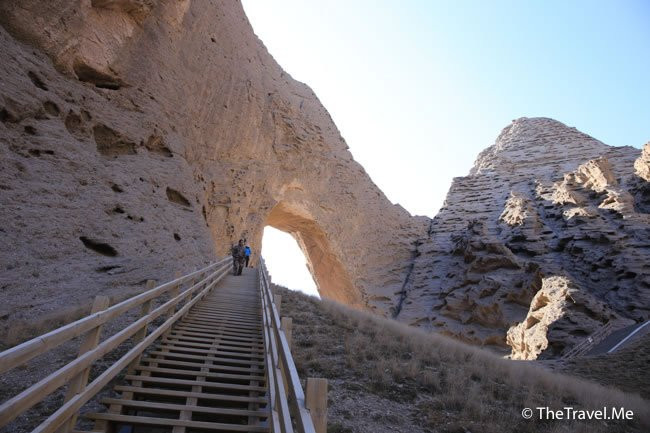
{"points": [[282, 365], [590, 341], [38, 391], [22, 353]]}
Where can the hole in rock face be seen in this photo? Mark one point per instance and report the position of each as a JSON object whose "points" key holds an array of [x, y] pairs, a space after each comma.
{"points": [[155, 144], [6, 116], [29, 129], [98, 247], [176, 197], [36, 80], [177, 237], [286, 262], [51, 108], [323, 261], [100, 79], [111, 143], [107, 268], [116, 188], [73, 123], [34, 152], [118, 209]]}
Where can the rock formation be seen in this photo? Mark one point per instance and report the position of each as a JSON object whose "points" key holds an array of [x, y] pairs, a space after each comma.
{"points": [[545, 241], [141, 138]]}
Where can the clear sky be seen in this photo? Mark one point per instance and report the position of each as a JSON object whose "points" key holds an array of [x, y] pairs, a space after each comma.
{"points": [[419, 88]]}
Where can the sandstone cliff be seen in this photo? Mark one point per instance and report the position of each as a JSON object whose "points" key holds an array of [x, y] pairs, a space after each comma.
{"points": [[140, 138], [545, 241]]}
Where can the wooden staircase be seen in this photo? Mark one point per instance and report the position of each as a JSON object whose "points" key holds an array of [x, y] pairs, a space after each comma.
{"points": [[210, 353], [207, 373]]}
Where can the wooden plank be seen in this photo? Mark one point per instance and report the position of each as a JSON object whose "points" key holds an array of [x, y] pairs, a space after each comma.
{"points": [[219, 367], [180, 407], [316, 402], [207, 373], [287, 325], [217, 346], [178, 393], [222, 324], [226, 339], [142, 333], [182, 337], [201, 358], [220, 385], [277, 300], [199, 324], [175, 422], [216, 332], [90, 341], [236, 314], [240, 355]]}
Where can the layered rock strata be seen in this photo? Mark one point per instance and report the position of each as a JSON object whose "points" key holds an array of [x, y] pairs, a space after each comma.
{"points": [[545, 241]]}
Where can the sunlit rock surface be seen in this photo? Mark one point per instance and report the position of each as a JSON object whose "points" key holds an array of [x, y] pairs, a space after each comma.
{"points": [[545, 204], [141, 138]]}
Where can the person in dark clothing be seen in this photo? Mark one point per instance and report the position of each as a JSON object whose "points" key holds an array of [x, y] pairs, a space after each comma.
{"points": [[247, 251], [238, 256]]}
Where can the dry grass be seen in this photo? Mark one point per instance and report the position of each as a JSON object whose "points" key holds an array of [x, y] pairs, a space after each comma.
{"points": [[387, 377]]}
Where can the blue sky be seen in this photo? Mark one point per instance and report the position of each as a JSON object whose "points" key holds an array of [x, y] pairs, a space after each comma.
{"points": [[419, 88]]}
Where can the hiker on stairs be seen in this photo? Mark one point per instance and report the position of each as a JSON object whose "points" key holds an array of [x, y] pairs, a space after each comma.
{"points": [[247, 251], [238, 256]]}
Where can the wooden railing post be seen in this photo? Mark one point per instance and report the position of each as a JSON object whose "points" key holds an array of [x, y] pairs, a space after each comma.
{"points": [[277, 300], [90, 341], [142, 333], [287, 324], [316, 402], [173, 293]]}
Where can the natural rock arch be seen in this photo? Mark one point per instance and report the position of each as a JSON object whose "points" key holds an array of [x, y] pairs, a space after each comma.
{"points": [[331, 277]]}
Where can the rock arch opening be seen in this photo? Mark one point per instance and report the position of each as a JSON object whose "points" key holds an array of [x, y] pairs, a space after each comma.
{"points": [[323, 262], [286, 262]]}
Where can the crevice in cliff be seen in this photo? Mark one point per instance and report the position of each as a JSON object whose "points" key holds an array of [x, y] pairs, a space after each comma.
{"points": [[414, 255]]}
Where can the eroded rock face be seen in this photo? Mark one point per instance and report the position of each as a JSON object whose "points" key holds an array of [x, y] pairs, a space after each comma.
{"points": [[161, 132], [559, 313], [553, 214], [141, 138]]}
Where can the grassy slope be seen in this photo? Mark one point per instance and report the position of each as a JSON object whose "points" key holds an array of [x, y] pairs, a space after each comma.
{"points": [[386, 377]]}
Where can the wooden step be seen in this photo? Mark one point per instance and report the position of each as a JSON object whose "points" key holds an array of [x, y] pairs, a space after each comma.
{"points": [[199, 395], [175, 371], [182, 407], [141, 420], [202, 364], [204, 358]]}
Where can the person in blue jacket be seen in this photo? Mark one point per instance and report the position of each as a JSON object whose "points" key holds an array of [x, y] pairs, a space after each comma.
{"points": [[247, 251]]}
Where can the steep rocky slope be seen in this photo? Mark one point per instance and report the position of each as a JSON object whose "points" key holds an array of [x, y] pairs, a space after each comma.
{"points": [[544, 242], [140, 138]]}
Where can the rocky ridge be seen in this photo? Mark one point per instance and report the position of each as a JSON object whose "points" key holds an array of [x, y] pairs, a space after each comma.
{"points": [[544, 242]]}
